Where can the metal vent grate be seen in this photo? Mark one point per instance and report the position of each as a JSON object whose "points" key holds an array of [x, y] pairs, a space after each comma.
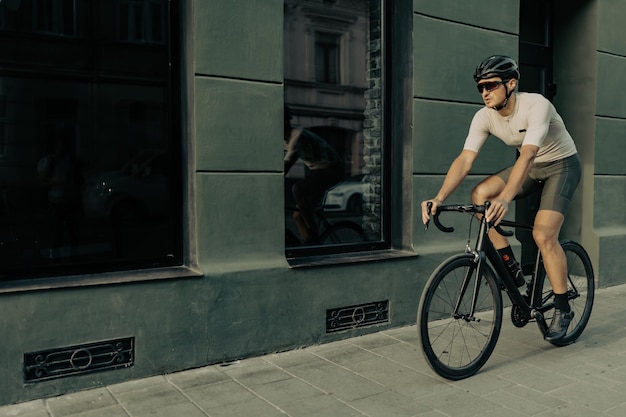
{"points": [[344, 318], [81, 359]]}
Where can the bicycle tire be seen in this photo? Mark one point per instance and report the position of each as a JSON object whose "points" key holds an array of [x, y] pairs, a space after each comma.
{"points": [[454, 347], [580, 288], [342, 232]]}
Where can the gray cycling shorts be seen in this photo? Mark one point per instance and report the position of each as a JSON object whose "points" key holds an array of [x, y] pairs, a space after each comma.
{"points": [[557, 180]]}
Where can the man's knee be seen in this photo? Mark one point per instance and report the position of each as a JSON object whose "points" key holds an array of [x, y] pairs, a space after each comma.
{"points": [[547, 228], [487, 189], [544, 236]]}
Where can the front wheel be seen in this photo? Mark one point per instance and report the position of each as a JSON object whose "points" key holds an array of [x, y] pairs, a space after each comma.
{"points": [[457, 343], [580, 290], [342, 232]]}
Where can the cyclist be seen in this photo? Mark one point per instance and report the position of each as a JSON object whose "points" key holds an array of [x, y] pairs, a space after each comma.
{"points": [[547, 158], [325, 170]]}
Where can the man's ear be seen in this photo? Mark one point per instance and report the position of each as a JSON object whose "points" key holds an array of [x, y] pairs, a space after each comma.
{"points": [[512, 84]]}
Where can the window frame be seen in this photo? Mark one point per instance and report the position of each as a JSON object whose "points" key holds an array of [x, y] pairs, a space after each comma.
{"points": [[180, 91], [397, 169], [330, 73]]}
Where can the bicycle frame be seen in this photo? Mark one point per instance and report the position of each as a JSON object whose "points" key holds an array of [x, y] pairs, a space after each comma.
{"points": [[483, 248]]}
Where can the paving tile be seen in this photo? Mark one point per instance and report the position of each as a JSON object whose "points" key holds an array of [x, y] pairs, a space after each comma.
{"points": [[345, 354], [292, 358], [459, 403], [537, 378], [335, 380], [592, 374], [197, 377], [484, 383], [254, 372], [589, 395], [534, 397], [137, 384], [253, 407], [373, 341], [150, 397], [35, 408], [510, 401], [114, 411], [433, 413], [406, 354], [79, 402], [320, 406], [398, 378], [407, 334], [570, 410], [619, 411], [221, 394], [388, 404], [167, 410], [286, 391]]}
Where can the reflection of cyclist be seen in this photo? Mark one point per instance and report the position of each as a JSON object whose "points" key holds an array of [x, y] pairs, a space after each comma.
{"points": [[325, 169], [547, 158]]}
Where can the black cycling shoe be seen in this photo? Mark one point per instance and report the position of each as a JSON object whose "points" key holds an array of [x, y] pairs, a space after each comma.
{"points": [[518, 277], [559, 325]]}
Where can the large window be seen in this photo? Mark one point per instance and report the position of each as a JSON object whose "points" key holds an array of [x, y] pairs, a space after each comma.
{"points": [[335, 131], [90, 160]]}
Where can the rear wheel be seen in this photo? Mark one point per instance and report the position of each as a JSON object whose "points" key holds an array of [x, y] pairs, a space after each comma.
{"points": [[457, 344], [580, 290]]}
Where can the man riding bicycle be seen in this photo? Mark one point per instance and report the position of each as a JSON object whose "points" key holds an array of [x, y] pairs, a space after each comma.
{"points": [[548, 159]]}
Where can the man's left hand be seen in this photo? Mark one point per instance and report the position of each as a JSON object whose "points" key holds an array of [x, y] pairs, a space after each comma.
{"points": [[497, 210]]}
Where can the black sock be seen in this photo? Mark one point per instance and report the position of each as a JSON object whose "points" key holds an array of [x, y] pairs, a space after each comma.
{"points": [[507, 256], [561, 302]]}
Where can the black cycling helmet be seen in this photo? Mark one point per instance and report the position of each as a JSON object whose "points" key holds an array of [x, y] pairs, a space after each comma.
{"points": [[497, 66]]}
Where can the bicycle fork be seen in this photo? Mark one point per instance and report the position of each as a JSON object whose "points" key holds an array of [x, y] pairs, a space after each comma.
{"points": [[479, 261]]}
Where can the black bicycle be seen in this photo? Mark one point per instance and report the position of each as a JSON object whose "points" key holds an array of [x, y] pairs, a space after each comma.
{"points": [[330, 232], [460, 310]]}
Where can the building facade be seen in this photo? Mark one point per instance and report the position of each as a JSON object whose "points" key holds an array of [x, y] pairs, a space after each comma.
{"points": [[146, 221]]}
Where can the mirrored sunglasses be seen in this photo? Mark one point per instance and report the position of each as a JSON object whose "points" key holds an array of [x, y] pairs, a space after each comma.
{"points": [[489, 86]]}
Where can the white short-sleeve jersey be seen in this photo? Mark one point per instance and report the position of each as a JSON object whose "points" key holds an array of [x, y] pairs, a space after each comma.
{"points": [[533, 122]]}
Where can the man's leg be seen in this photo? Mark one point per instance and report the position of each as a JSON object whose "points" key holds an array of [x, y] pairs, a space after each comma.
{"points": [[305, 217], [546, 234], [488, 189]]}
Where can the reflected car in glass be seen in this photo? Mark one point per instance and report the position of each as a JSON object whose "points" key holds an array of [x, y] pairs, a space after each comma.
{"points": [[346, 196], [139, 189]]}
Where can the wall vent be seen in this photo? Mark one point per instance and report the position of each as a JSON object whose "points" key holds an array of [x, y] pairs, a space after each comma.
{"points": [[345, 318], [80, 359]]}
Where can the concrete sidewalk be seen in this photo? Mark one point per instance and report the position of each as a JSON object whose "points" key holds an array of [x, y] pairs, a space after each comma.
{"points": [[384, 375]]}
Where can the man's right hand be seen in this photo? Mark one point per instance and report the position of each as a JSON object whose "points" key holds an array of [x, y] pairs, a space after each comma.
{"points": [[425, 214]]}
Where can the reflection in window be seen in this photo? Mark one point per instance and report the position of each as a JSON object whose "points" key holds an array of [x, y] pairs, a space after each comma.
{"points": [[141, 20], [88, 181], [333, 89], [327, 58], [55, 17]]}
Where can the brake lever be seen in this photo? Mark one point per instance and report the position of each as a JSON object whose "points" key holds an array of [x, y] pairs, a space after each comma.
{"points": [[429, 206]]}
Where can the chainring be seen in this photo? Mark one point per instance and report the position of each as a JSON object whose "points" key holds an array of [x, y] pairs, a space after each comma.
{"points": [[517, 317]]}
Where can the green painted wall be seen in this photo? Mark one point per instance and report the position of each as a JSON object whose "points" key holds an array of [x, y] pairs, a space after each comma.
{"points": [[248, 301]]}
